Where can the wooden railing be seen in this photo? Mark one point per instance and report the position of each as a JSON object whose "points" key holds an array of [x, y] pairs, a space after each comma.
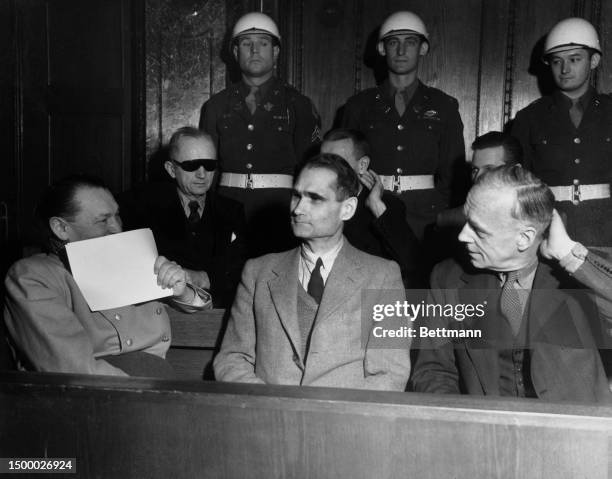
{"points": [[137, 428]]}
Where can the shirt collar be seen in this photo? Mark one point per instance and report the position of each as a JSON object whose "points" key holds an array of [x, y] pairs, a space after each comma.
{"points": [[264, 88], [566, 102], [328, 258], [185, 202], [408, 91], [526, 275]]}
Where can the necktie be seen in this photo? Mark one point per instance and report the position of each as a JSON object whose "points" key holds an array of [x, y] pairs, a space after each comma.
{"points": [[316, 285], [576, 112], [251, 99], [400, 102], [194, 217], [510, 303]]}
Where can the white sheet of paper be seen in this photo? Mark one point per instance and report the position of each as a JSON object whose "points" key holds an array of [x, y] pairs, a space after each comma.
{"points": [[116, 270]]}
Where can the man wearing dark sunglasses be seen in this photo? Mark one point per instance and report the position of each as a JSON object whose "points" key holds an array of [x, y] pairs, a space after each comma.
{"points": [[191, 224]]}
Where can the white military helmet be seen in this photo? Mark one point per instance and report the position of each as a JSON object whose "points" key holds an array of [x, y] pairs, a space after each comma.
{"points": [[255, 22], [402, 22], [569, 34]]}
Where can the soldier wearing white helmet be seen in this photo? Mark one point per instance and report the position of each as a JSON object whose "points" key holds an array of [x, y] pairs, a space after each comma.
{"points": [[566, 136], [262, 128], [415, 131]]}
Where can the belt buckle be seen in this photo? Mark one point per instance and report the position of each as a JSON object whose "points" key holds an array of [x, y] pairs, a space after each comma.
{"points": [[249, 182], [576, 194], [397, 184]]}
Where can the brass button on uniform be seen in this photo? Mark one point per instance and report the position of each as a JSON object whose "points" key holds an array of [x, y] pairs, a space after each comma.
{"points": [[251, 127], [577, 140], [249, 166], [576, 182], [400, 127], [249, 146], [399, 171], [577, 161], [400, 148]]}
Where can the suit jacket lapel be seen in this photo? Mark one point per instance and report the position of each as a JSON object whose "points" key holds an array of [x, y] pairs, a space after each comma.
{"points": [[545, 301], [283, 290], [480, 288], [344, 280]]}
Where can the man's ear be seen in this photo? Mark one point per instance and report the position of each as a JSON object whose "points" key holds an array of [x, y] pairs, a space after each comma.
{"points": [[527, 237], [595, 59], [169, 166], [381, 48], [349, 206], [363, 164], [235, 52], [59, 227], [275, 52], [424, 48]]}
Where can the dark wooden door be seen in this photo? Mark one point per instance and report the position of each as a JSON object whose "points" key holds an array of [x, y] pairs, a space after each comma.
{"points": [[73, 102]]}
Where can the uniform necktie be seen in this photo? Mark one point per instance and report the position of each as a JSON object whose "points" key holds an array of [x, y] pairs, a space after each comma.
{"points": [[194, 217], [251, 99], [400, 102], [510, 303], [316, 285], [576, 112]]}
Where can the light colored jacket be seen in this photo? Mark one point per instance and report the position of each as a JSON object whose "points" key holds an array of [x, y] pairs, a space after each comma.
{"points": [[262, 343], [51, 325]]}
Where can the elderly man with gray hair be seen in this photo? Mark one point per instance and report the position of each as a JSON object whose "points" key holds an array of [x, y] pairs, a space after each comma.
{"points": [[530, 334]]}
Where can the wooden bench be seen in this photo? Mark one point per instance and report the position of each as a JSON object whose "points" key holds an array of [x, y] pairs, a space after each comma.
{"points": [[138, 428], [195, 339]]}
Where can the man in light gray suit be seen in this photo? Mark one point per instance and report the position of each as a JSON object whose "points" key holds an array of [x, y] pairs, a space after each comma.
{"points": [[297, 315]]}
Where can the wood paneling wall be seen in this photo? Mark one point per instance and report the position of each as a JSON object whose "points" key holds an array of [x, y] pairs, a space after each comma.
{"points": [[482, 51], [184, 63], [99, 86]]}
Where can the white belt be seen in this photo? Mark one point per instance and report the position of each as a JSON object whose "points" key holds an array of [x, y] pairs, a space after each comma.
{"points": [[399, 183], [250, 181], [577, 192]]}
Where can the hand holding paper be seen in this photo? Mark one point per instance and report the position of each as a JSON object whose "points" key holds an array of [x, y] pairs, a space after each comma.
{"points": [[171, 275]]}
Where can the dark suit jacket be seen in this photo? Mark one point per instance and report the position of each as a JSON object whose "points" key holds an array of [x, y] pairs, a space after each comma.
{"points": [[565, 363], [388, 236], [216, 244]]}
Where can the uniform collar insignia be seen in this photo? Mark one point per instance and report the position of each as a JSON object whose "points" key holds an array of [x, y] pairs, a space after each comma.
{"points": [[268, 106], [430, 114]]}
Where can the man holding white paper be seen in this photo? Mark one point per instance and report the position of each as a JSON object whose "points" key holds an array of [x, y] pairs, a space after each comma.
{"points": [[51, 325]]}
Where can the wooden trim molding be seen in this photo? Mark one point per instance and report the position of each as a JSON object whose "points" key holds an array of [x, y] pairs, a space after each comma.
{"points": [[509, 69]]}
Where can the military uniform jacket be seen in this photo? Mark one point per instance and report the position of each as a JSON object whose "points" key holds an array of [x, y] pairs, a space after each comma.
{"points": [[559, 153], [426, 140], [272, 140]]}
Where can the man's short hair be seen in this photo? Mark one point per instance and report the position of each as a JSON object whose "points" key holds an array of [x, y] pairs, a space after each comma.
{"points": [[347, 182], [186, 132], [59, 200], [534, 199], [512, 147], [360, 143]]}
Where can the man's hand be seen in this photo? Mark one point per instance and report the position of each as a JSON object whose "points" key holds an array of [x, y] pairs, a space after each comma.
{"points": [[199, 279], [374, 200], [558, 244], [171, 275]]}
